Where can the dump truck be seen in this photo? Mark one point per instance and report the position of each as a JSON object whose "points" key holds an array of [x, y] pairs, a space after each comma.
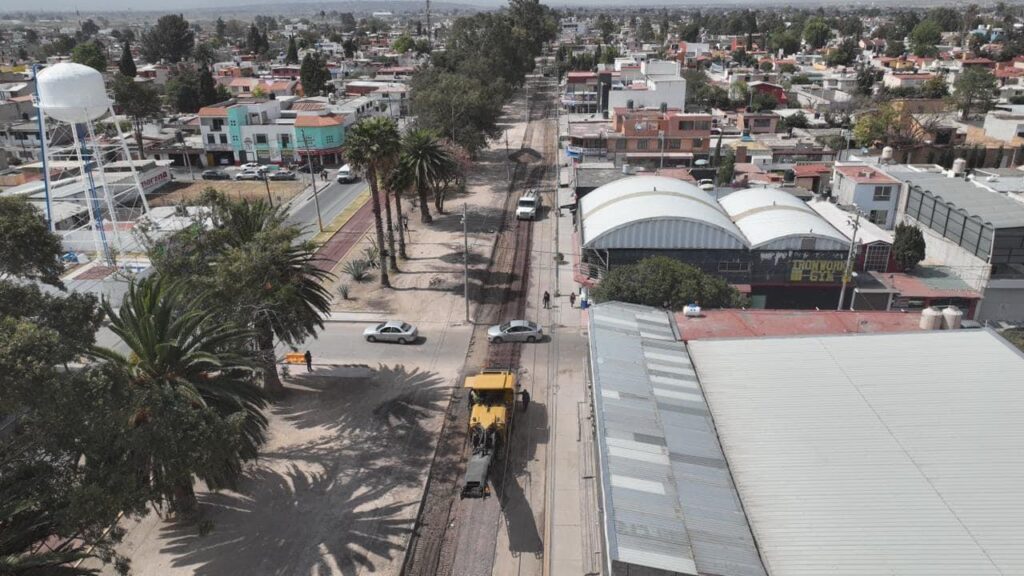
{"points": [[492, 400]]}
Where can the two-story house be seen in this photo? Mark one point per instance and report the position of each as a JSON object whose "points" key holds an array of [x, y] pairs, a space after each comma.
{"points": [[661, 138], [872, 191]]}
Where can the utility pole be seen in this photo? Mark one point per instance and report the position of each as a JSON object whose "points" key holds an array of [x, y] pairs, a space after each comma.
{"points": [[465, 259], [849, 259], [508, 167], [266, 182], [312, 181]]}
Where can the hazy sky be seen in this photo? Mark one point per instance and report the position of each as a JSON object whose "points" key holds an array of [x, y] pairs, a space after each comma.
{"points": [[165, 6]]}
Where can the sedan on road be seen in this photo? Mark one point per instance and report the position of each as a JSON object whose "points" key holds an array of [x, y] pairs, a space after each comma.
{"points": [[216, 175], [394, 331], [283, 175], [251, 166], [250, 175], [515, 331]]}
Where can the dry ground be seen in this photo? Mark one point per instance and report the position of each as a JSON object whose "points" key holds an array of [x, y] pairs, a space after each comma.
{"points": [[187, 191]]}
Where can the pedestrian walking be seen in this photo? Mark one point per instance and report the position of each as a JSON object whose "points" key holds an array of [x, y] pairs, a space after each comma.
{"points": [[309, 360], [547, 299], [526, 400], [572, 299], [405, 222]]}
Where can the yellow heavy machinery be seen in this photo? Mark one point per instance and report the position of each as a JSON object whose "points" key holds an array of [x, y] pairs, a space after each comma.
{"points": [[492, 401]]}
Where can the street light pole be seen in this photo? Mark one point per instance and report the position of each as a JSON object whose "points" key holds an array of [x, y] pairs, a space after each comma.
{"points": [[266, 182], [849, 260], [465, 259]]}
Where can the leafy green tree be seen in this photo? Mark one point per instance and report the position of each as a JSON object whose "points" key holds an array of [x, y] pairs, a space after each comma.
{"points": [[464, 109], [975, 89], [27, 248], [91, 54], [798, 120], [89, 28], [208, 89], [139, 102], [171, 39], [934, 88], [126, 65], [204, 54], [292, 56], [425, 161], [762, 101], [314, 74], [895, 48], [908, 246], [817, 32], [256, 41], [727, 169], [199, 409], [845, 54], [183, 92], [925, 37], [372, 146], [666, 283], [220, 28], [403, 44]]}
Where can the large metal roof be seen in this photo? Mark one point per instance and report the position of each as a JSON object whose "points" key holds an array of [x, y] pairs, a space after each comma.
{"points": [[874, 455], [776, 220], [669, 501], [992, 207], [655, 212]]}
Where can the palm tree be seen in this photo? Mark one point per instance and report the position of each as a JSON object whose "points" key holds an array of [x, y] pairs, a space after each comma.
{"points": [[397, 183], [372, 144], [426, 161], [199, 412], [268, 281]]}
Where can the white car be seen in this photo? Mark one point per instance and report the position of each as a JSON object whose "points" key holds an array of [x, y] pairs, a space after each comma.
{"points": [[393, 331], [346, 175], [250, 175], [515, 331], [706, 185], [251, 166]]}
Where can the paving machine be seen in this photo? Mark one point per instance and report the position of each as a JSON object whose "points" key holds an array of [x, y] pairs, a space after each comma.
{"points": [[492, 399]]}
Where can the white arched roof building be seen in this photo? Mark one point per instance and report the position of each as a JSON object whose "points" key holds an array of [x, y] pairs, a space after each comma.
{"points": [[655, 212], [772, 219]]}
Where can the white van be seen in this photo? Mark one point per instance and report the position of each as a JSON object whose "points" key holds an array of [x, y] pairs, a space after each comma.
{"points": [[346, 175]]}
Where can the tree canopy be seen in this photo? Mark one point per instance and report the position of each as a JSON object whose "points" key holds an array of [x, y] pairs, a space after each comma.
{"points": [[666, 283], [314, 74], [925, 37], [171, 39], [908, 246], [91, 54], [975, 90]]}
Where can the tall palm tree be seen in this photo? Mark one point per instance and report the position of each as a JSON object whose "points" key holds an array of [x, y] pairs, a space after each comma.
{"points": [[199, 412], [371, 145], [269, 280], [398, 182], [426, 161]]}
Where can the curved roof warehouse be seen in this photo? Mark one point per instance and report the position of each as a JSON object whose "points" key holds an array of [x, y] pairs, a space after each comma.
{"points": [[773, 219], [656, 212]]}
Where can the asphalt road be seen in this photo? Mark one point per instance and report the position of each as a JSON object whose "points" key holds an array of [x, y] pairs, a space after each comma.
{"points": [[333, 199]]}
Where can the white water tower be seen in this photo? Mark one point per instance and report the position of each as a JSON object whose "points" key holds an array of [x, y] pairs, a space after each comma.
{"points": [[87, 200]]}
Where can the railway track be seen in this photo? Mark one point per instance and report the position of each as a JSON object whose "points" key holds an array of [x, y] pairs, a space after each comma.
{"points": [[439, 530]]}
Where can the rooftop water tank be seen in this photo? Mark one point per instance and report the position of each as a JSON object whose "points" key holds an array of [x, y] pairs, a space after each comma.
{"points": [[72, 93], [931, 319], [951, 318], [959, 166], [887, 153]]}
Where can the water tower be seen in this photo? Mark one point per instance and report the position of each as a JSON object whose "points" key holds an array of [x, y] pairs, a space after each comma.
{"points": [[91, 188]]}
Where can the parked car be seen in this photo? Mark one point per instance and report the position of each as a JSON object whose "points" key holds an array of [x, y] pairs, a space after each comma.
{"points": [[216, 175], [528, 206], [250, 175], [706, 184], [346, 175], [393, 331], [515, 331], [251, 166], [283, 175]]}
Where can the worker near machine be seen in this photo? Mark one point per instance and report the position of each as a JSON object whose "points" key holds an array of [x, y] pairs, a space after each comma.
{"points": [[526, 399], [308, 356]]}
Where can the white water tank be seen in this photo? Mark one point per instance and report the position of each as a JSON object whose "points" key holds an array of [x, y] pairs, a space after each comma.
{"points": [[959, 166], [931, 319], [691, 311], [887, 154], [951, 318], [72, 93]]}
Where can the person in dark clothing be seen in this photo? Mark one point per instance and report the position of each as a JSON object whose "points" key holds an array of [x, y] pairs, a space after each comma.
{"points": [[309, 361], [526, 399], [547, 299], [572, 299]]}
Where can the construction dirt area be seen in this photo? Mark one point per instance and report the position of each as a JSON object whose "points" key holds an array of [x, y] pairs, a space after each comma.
{"points": [[362, 471], [187, 192]]}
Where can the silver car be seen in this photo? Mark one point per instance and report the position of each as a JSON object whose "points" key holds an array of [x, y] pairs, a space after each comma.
{"points": [[394, 331], [515, 331]]}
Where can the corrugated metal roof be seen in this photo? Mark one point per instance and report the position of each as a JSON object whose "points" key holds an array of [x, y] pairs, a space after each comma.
{"points": [[993, 207], [862, 455], [655, 212], [669, 501], [774, 219]]}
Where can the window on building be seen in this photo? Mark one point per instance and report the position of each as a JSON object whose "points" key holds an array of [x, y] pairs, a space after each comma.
{"points": [[883, 193], [642, 144], [233, 122], [329, 139], [218, 124], [286, 141], [674, 144], [234, 138], [807, 243], [261, 139], [876, 257], [686, 124], [698, 142], [224, 138], [762, 123], [878, 217], [210, 139]]}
